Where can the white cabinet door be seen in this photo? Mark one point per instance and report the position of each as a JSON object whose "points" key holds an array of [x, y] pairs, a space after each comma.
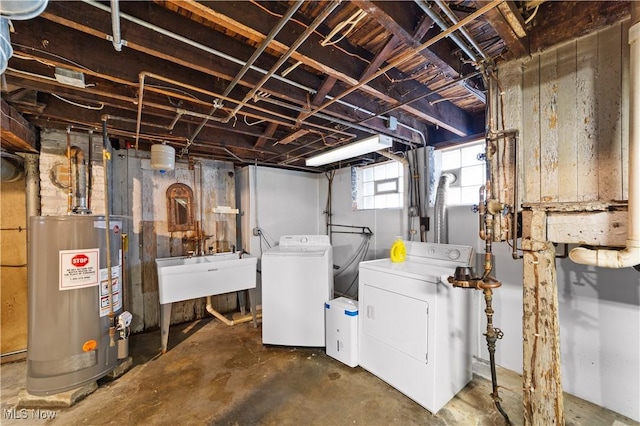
{"points": [[399, 321]]}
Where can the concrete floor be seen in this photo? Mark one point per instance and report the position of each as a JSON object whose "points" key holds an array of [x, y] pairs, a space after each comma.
{"points": [[214, 374]]}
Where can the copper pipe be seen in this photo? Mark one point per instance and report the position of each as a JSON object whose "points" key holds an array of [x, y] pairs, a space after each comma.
{"points": [[105, 158], [307, 32], [265, 43], [405, 57], [69, 183]]}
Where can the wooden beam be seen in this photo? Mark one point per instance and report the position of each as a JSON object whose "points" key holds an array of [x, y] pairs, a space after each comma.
{"points": [[542, 399], [171, 58], [557, 22], [17, 134], [324, 90], [513, 17], [254, 24], [293, 136], [396, 21], [268, 133], [502, 26], [381, 57]]}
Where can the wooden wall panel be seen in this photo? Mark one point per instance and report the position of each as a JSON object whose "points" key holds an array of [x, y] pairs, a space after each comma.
{"points": [[586, 132], [511, 91], [215, 187], [624, 108], [567, 123], [609, 84], [575, 120], [531, 130], [13, 272], [548, 127]]}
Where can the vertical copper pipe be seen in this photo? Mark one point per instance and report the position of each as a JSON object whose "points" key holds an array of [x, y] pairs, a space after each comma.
{"points": [[492, 335], [69, 180], [105, 158]]}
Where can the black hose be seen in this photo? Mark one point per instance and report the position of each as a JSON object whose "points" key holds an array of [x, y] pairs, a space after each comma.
{"points": [[492, 335], [494, 384]]}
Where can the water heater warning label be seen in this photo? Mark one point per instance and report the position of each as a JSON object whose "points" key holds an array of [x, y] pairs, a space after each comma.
{"points": [[79, 268], [115, 290]]}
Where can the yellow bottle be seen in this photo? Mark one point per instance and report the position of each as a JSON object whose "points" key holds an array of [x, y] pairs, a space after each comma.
{"points": [[398, 251]]}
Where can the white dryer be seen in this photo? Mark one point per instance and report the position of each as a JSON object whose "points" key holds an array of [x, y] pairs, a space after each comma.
{"points": [[416, 331], [297, 280]]}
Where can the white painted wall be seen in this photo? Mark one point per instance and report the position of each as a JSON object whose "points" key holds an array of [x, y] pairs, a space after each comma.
{"points": [[279, 202], [387, 225], [600, 335]]}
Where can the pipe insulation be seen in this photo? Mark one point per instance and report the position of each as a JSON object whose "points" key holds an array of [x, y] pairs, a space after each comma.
{"points": [[441, 236], [11, 167], [32, 184], [19, 10], [630, 255], [80, 175]]}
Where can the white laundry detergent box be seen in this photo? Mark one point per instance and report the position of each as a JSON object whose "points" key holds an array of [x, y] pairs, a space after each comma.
{"points": [[341, 328]]}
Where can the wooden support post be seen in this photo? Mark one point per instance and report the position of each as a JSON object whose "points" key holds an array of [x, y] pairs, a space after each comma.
{"points": [[542, 398]]}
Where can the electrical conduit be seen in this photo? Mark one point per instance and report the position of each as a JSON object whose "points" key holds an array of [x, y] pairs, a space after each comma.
{"points": [[630, 255]]}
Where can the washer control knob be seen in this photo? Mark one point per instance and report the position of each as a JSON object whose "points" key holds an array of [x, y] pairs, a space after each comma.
{"points": [[304, 239], [454, 254]]}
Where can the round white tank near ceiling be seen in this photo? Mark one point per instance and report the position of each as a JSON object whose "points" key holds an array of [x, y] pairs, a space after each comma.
{"points": [[163, 157]]}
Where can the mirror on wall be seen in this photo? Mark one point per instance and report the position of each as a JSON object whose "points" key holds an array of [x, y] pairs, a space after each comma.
{"points": [[180, 208]]}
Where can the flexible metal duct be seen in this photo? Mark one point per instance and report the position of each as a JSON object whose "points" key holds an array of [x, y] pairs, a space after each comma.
{"points": [[5, 44], [22, 9], [80, 172], [19, 10], [11, 167], [441, 236]]}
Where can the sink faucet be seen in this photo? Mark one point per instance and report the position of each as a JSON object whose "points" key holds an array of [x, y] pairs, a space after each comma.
{"points": [[205, 238]]}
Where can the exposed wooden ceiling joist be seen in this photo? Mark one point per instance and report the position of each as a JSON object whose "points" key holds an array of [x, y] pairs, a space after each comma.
{"points": [[326, 97]]}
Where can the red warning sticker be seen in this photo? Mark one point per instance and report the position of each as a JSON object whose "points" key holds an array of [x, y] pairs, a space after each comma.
{"points": [[79, 268]]}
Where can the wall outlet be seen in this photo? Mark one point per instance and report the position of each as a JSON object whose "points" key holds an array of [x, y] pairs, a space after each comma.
{"points": [[256, 232]]}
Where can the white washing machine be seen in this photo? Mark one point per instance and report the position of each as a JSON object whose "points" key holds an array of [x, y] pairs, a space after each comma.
{"points": [[416, 331], [297, 279]]}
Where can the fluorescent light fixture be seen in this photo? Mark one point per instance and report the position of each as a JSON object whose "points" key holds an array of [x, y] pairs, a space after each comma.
{"points": [[70, 77], [365, 146]]}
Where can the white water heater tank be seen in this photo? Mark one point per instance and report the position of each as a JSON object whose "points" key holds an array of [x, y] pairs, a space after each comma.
{"points": [[163, 157]]}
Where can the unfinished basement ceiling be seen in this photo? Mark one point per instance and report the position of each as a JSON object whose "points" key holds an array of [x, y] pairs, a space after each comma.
{"points": [[276, 82]]}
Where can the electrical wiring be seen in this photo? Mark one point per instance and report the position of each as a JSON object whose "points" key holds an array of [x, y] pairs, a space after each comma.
{"points": [[252, 124], [533, 15], [302, 24], [30, 58], [96, 108], [357, 274], [453, 98], [51, 54], [174, 89], [348, 23], [356, 254]]}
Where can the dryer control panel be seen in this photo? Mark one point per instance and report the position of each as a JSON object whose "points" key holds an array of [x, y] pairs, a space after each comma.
{"points": [[453, 254], [304, 241]]}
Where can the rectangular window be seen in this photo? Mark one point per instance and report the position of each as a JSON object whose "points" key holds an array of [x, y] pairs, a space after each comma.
{"points": [[469, 170], [378, 187]]}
